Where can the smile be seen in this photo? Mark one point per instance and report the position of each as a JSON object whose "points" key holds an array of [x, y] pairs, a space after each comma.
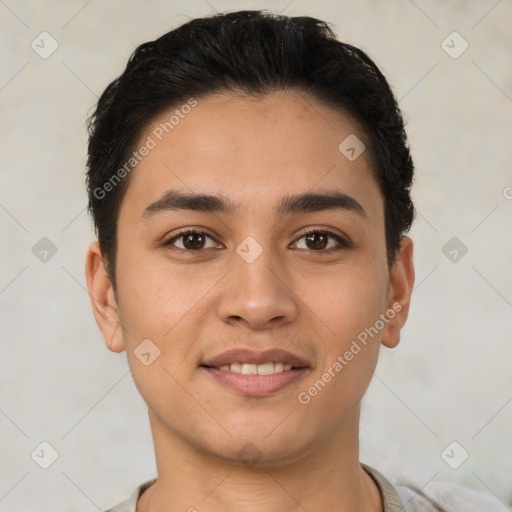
{"points": [[256, 369], [256, 373]]}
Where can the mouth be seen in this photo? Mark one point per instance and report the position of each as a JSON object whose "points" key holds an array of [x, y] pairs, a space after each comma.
{"points": [[253, 373], [255, 369]]}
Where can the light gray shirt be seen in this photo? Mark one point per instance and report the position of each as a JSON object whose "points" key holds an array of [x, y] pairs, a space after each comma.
{"points": [[441, 497]]}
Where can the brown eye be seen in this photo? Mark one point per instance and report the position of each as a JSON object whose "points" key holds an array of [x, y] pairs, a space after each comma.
{"points": [[191, 241], [321, 241], [316, 241]]}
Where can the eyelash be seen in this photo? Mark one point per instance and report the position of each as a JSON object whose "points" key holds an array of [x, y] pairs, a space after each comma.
{"points": [[342, 243]]}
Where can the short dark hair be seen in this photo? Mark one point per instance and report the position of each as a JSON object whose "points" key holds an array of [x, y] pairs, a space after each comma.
{"points": [[254, 53]]}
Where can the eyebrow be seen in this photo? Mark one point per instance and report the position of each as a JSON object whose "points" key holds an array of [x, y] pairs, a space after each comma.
{"points": [[174, 200]]}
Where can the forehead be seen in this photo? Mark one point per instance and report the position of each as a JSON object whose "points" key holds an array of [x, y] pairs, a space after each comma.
{"points": [[253, 150]]}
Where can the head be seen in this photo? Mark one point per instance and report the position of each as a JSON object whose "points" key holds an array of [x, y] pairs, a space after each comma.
{"points": [[242, 130]]}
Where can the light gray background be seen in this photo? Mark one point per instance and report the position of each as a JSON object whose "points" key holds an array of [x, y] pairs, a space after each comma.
{"points": [[449, 380]]}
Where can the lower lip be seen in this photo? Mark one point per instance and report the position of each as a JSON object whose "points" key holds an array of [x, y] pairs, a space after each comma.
{"points": [[257, 385]]}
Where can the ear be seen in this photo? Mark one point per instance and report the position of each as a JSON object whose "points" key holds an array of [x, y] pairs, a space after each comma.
{"points": [[399, 295], [103, 301]]}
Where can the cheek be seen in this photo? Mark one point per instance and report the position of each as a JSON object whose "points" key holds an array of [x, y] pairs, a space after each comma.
{"points": [[348, 311], [170, 305], [347, 301], [348, 305], [157, 308], [156, 296]]}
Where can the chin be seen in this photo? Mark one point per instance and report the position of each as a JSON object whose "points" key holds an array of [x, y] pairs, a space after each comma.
{"points": [[262, 447]]}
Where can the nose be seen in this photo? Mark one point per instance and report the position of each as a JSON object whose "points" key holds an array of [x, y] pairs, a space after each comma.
{"points": [[258, 294]]}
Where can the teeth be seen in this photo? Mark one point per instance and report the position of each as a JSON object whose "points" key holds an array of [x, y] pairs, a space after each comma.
{"points": [[265, 369], [249, 369], [256, 369]]}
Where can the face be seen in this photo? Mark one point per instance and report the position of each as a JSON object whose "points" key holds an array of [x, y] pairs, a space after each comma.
{"points": [[252, 259]]}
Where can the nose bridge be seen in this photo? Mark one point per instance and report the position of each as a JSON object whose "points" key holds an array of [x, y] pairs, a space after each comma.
{"points": [[256, 290], [259, 269]]}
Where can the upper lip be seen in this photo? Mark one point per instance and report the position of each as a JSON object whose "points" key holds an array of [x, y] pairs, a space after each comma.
{"points": [[247, 356]]}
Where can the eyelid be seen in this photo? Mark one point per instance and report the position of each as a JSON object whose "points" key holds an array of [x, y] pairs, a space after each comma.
{"points": [[343, 241], [169, 241]]}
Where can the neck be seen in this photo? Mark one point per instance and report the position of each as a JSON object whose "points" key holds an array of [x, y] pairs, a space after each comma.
{"points": [[325, 477]]}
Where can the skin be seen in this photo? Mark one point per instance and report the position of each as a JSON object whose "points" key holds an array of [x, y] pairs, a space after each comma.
{"points": [[295, 295]]}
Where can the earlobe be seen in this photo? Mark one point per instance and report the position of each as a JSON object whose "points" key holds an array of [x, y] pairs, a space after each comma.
{"points": [[103, 300], [399, 297]]}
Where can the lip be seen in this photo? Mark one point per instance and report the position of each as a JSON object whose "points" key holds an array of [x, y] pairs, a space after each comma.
{"points": [[256, 385], [246, 356]]}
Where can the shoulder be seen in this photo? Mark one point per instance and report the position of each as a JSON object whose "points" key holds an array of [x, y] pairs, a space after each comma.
{"points": [[441, 496], [130, 504], [437, 496]]}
